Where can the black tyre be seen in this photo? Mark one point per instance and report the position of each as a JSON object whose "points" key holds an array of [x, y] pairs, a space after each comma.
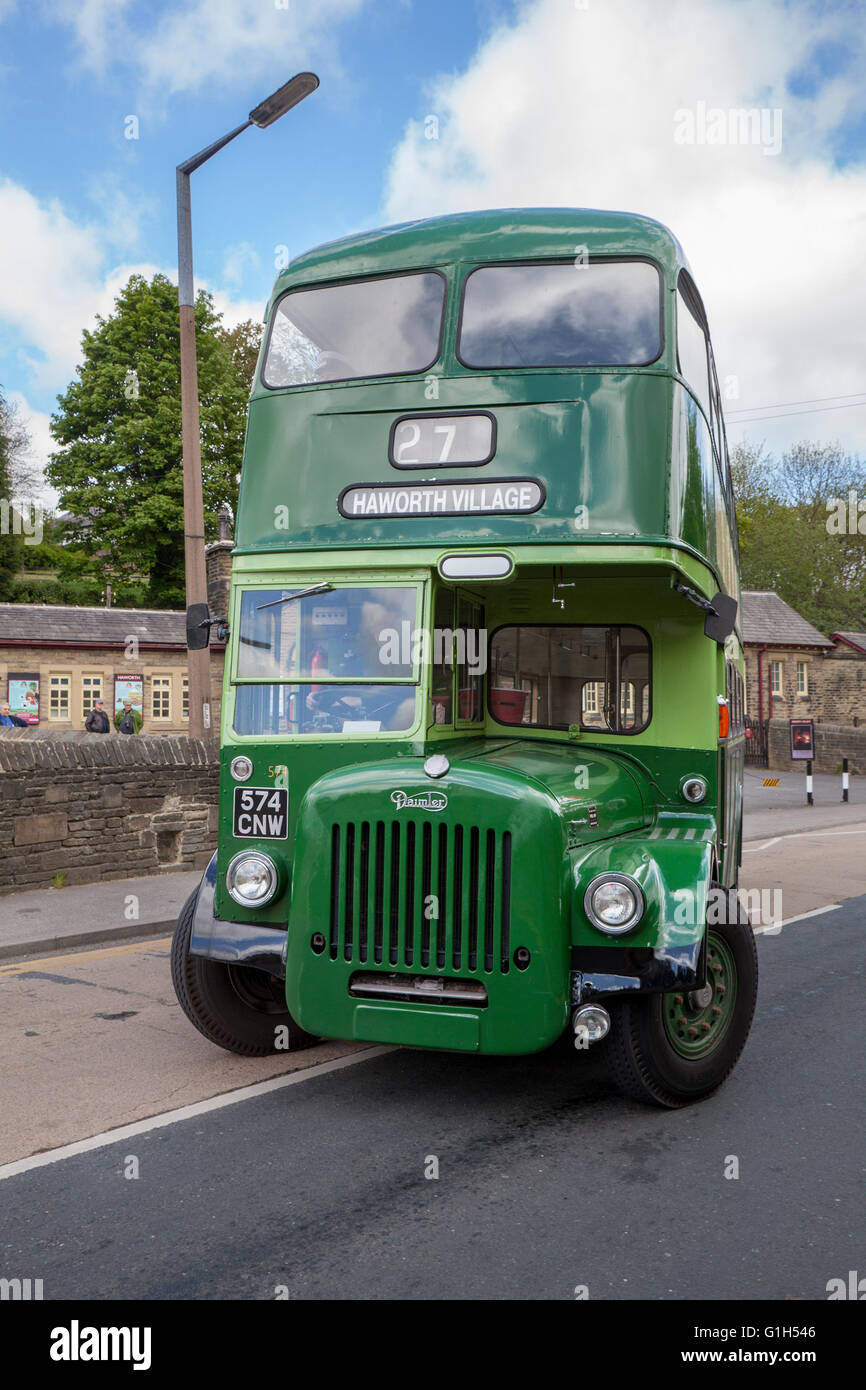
{"points": [[673, 1049], [236, 1007]]}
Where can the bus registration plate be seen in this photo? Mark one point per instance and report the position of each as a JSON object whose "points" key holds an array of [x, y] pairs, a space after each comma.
{"points": [[261, 812]]}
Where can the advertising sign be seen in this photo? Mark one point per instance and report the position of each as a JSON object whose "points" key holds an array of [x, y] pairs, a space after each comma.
{"points": [[129, 688], [802, 738], [24, 696]]}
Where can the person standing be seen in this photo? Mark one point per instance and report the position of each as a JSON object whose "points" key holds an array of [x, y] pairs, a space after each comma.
{"points": [[9, 720], [97, 720], [128, 720]]}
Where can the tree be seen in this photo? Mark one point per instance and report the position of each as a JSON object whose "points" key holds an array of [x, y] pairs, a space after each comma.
{"points": [[787, 541], [14, 480], [243, 342], [119, 470]]}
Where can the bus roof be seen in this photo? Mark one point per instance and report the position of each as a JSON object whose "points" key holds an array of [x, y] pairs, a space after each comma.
{"points": [[493, 234]]}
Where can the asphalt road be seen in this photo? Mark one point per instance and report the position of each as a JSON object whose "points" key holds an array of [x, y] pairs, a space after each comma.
{"points": [[547, 1181]]}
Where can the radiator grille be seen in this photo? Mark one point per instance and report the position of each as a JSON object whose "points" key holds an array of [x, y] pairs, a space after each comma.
{"points": [[425, 895]]}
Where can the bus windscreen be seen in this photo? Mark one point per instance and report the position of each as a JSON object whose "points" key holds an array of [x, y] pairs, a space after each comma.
{"points": [[554, 314], [388, 326]]}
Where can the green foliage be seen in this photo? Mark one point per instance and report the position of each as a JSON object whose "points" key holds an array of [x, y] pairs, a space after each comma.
{"points": [[244, 342], [119, 469], [11, 546], [783, 509]]}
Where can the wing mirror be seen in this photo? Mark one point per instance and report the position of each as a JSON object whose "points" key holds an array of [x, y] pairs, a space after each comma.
{"points": [[198, 621], [720, 622]]}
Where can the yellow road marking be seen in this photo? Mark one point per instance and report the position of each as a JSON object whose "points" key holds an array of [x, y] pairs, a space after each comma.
{"points": [[49, 962]]}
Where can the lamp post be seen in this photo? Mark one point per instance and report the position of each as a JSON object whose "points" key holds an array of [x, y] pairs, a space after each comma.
{"points": [[198, 662]]}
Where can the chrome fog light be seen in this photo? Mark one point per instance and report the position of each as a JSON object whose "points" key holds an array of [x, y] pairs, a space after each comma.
{"points": [[591, 1023], [613, 903], [252, 878], [241, 769]]}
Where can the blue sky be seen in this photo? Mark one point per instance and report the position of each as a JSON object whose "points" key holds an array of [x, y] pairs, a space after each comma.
{"points": [[566, 102]]}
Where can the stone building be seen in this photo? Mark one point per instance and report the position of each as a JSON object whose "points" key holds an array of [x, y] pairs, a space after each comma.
{"points": [[55, 660], [794, 672]]}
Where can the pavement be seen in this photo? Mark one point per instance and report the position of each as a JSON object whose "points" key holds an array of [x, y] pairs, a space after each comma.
{"points": [[781, 809], [64, 919], [61, 919]]}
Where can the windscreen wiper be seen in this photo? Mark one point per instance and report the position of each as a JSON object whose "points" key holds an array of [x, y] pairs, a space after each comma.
{"points": [[302, 593]]}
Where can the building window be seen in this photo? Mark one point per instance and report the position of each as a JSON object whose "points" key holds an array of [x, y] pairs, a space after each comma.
{"points": [[184, 713], [91, 691], [802, 678], [776, 677], [590, 697], [58, 696], [160, 697]]}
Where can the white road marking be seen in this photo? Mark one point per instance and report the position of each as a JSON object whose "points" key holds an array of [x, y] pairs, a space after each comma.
{"points": [[801, 834], [186, 1112], [775, 927]]}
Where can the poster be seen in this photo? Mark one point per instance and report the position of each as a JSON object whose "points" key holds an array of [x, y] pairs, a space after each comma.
{"points": [[129, 688], [802, 738], [24, 696]]}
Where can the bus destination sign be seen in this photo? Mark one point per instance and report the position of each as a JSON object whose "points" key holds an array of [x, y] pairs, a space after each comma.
{"points": [[496, 496]]}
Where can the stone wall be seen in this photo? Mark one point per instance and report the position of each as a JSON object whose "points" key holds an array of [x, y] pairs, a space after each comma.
{"points": [[833, 742], [99, 807]]}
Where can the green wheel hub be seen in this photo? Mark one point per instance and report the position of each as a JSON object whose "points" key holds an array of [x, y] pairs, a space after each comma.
{"points": [[695, 1021]]}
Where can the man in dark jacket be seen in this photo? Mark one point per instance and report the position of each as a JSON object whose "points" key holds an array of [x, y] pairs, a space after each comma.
{"points": [[10, 721], [97, 720]]}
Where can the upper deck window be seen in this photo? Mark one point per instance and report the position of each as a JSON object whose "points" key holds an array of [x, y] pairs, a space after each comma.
{"points": [[361, 328], [692, 344], [605, 313]]}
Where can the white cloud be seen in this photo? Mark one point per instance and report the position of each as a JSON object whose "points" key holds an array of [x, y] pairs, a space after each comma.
{"points": [[203, 41], [37, 424], [576, 107], [98, 25], [65, 274], [58, 265], [238, 259]]}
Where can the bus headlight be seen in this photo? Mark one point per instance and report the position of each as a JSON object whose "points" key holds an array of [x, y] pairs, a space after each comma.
{"points": [[252, 878], [613, 903]]}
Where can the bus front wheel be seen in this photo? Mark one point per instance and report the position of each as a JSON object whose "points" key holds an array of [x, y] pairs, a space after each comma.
{"points": [[236, 1007], [673, 1049]]}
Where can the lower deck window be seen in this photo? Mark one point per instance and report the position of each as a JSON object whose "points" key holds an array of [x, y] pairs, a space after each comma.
{"points": [[324, 709], [556, 676]]}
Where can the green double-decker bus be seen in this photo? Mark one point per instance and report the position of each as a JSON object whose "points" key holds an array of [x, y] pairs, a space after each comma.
{"points": [[482, 723]]}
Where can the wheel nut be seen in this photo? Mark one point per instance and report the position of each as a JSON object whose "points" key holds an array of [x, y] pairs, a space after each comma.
{"points": [[717, 1011], [693, 1032]]}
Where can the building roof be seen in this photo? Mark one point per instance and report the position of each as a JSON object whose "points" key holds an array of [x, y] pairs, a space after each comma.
{"points": [[853, 639], [54, 624], [769, 619]]}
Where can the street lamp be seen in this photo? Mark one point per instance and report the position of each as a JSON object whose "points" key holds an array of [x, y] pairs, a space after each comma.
{"points": [[198, 661]]}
